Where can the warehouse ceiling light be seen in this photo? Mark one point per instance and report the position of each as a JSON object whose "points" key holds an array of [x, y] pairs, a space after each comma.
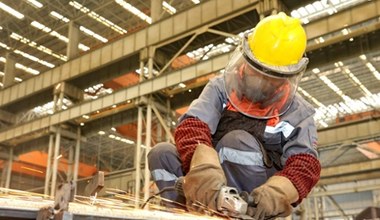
{"points": [[4, 46], [98, 17], [11, 11], [134, 11], [167, 7], [33, 58], [35, 3], [373, 70], [46, 29], [38, 47], [22, 67], [28, 56], [93, 34], [58, 16]]}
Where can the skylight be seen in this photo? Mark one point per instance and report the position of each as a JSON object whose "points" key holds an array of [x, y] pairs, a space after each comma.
{"points": [[322, 8]]}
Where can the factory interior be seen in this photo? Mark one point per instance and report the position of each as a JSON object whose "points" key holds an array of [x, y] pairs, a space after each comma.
{"points": [[89, 87]]}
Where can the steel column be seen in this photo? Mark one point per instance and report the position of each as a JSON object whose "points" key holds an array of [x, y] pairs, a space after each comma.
{"points": [[70, 164], [55, 161], [138, 156], [76, 157], [72, 45], [148, 139], [155, 10], [9, 70]]}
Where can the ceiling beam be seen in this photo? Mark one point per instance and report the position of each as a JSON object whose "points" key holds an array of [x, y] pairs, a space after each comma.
{"points": [[7, 117], [144, 88], [208, 13], [349, 132]]}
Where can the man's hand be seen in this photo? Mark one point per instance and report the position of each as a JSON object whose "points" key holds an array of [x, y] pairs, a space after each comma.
{"points": [[205, 178], [273, 199]]}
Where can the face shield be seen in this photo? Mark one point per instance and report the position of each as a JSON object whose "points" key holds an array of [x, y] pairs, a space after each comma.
{"points": [[259, 90]]}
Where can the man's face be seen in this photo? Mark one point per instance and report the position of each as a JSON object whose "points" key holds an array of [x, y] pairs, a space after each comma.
{"points": [[258, 87]]}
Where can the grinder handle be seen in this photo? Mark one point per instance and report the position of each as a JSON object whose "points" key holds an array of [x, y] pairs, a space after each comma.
{"points": [[247, 198]]}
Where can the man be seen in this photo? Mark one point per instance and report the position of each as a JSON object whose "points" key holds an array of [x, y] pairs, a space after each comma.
{"points": [[248, 129]]}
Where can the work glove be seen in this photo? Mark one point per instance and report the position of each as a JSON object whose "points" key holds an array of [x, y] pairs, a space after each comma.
{"points": [[273, 199], [203, 182]]}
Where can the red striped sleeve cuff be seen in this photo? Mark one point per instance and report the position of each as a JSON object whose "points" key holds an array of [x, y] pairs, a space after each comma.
{"points": [[188, 135], [303, 170]]}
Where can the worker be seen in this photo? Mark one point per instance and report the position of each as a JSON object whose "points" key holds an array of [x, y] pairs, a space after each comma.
{"points": [[248, 129]]}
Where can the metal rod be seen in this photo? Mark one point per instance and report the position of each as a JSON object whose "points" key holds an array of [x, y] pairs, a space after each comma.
{"points": [[178, 53], [161, 120], [48, 164], [76, 157], [222, 33], [9, 168], [316, 216], [337, 206]]}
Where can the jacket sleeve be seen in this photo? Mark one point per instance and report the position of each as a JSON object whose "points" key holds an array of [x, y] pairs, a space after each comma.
{"points": [[200, 121]]}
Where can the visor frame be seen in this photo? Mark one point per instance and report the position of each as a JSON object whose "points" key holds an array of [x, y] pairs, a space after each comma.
{"points": [[231, 85]]}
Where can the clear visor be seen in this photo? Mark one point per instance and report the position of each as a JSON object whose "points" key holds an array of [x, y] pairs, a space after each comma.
{"points": [[257, 93]]}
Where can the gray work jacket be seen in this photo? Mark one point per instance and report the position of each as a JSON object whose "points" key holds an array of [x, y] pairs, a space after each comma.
{"points": [[295, 133]]}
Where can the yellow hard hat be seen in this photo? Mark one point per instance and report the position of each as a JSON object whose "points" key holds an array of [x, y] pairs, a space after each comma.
{"points": [[278, 40]]}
